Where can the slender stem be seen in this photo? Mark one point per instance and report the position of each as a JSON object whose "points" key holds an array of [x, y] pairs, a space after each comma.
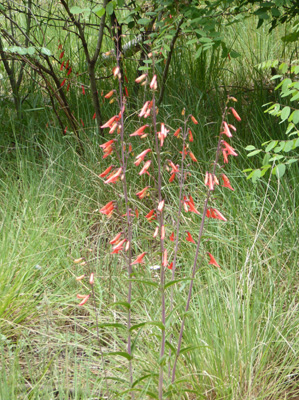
{"points": [[129, 226], [161, 223], [196, 254], [177, 232]]}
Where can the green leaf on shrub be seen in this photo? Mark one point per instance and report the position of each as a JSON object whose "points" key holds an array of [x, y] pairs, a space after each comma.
{"points": [[100, 12], [292, 160], [279, 170], [288, 146], [31, 50], [285, 113], [249, 147], [266, 159], [76, 10], [45, 51], [271, 146], [253, 153], [143, 21], [296, 117], [110, 8]]}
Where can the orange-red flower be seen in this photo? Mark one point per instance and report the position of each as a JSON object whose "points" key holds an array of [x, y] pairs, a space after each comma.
{"points": [[106, 172], [85, 298], [115, 177], [235, 114], [164, 258], [190, 135], [161, 205], [214, 213], [229, 149], [153, 84], [150, 216], [177, 132], [115, 240], [142, 193], [170, 266], [140, 78], [141, 156], [145, 168], [118, 247], [226, 130], [139, 131], [139, 259], [213, 261], [194, 120], [189, 237], [171, 237], [192, 156], [226, 182], [108, 208]]}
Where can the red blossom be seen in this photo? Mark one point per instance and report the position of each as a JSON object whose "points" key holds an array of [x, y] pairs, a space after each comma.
{"points": [[213, 261], [189, 238], [139, 259]]}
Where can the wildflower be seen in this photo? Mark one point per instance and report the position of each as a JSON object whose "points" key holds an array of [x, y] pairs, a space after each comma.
{"points": [[61, 67], [171, 237], [192, 156], [78, 260], [67, 64], [141, 156], [235, 114], [213, 261], [108, 208], [91, 279], [145, 168], [214, 213], [226, 182], [116, 72], [162, 232], [62, 83], [189, 238], [118, 247], [174, 168], [106, 172], [161, 205], [115, 177], [84, 300], [106, 144], [226, 130], [153, 84], [140, 78], [83, 90], [79, 278], [144, 109], [139, 131], [109, 94], [127, 245], [170, 266], [61, 55], [155, 234], [139, 259], [164, 258], [69, 72], [194, 120], [162, 134], [115, 240], [177, 132], [171, 179], [192, 208], [150, 216], [142, 193], [229, 149], [136, 212], [190, 135]]}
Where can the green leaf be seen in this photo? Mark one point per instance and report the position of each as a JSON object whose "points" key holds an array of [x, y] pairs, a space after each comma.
{"points": [[113, 325], [249, 147], [256, 175], [198, 53], [151, 323], [76, 10], [100, 12], [266, 159], [176, 281], [142, 378], [296, 117], [285, 113], [288, 146], [279, 170], [150, 283], [121, 354], [143, 21], [110, 8], [253, 153], [121, 303], [45, 51], [292, 160], [271, 146], [31, 50]]}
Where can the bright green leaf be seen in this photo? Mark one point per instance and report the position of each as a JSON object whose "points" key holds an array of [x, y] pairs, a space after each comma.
{"points": [[249, 147], [279, 170], [271, 146], [253, 153]]}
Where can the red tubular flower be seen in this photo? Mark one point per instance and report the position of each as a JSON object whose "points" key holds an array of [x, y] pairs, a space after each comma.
{"points": [[156, 231], [139, 131], [150, 216], [91, 279], [84, 300], [194, 120], [106, 172], [162, 232], [170, 266], [153, 84], [177, 132], [94, 116], [109, 123], [229, 149], [61, 67], [174, 168], [115, 177], [213, 261], [235, 114], [115, 240], [192, 208], [192, 156], [142, 156], [142, 193], [164, 258], [145, 168], [189, 238], [144, 109], [226, 182], [136, 212], [118, 247], [225, 158], [214, 213], [106, 144], [161, 205], [83, 90], [139, 259], [171, 237], [190, 135], [140, 78], [226, 130], [69, 72], [107, 208], [61, 55], [62, 83], [109, 94], [171, 179]]}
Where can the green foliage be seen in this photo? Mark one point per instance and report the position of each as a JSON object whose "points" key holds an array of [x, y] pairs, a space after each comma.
{"points": [[279, 154]]}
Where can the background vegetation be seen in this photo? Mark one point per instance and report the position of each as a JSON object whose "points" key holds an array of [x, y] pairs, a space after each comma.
{"points": [[241, 339]]}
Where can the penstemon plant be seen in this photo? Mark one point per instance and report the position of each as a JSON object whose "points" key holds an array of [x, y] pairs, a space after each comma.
{"points": [[154, 167]]}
